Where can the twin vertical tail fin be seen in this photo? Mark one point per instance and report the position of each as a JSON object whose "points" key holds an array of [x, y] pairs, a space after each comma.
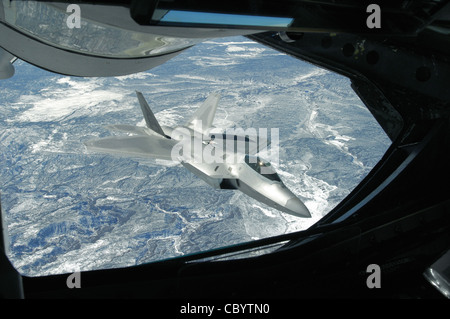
{"points": [[200, 121], [204, 116], [150, 119]]}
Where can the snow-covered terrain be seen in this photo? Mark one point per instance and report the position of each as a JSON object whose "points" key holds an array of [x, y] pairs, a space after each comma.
{"points": [[70, 210]]}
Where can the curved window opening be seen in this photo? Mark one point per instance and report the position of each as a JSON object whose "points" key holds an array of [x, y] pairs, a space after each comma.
{"points": [[69, 210]]}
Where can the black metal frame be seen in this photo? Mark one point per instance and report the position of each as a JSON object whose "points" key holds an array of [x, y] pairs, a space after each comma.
{"points": [[398, 217]]}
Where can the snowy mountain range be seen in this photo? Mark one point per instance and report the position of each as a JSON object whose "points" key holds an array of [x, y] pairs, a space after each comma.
{"points": [[70, 210]]}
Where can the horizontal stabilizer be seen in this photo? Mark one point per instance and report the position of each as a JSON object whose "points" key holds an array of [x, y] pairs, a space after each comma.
{"points": [[150, 118]]}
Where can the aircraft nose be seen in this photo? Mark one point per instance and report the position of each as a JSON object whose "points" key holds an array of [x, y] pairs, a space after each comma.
{"points": [[296, 206]]}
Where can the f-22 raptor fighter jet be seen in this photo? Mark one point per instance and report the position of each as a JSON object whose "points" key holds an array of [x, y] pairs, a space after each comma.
{"points": [[202, 151]]}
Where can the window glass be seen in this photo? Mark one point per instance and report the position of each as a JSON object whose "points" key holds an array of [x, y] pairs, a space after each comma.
{"points": [[70, 210]]}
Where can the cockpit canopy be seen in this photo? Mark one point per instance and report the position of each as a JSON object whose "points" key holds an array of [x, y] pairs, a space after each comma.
{"points": [[262, 167]]}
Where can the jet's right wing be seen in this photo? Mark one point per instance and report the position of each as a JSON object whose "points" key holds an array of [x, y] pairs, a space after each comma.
{"points": [[140, 145]]}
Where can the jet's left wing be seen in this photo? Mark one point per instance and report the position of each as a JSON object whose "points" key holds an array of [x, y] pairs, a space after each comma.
{"points": [[142, 146]]}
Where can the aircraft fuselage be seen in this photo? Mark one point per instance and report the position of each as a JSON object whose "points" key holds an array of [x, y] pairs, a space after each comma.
{"points": [[223, 160]]}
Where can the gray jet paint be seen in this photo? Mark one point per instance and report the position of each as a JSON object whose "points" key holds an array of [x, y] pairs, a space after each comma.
{"points": [[247, 173]]}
